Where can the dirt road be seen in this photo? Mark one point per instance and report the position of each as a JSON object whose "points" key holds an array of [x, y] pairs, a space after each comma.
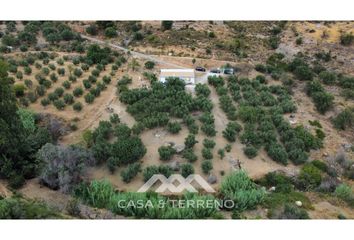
{"points": [[133, 53]]}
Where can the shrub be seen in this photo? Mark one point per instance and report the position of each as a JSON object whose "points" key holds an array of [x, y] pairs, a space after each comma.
{"points": [[130, 172], [122, 131], [344, 192], [190, 141], [208, 143], [92, 29], [174, 127], [207, 166], [189, 155], [77, 72], [250, 151], [231, 130], [19, 75], [63, 166], [149, 65], [53, 77], [152, 170], [328, 78], [45, 102], [27, 70], [59, 91], [61, 71], [106, 79], [293, 212], [19, 89], [166, 25], [344, 119], [303, 73], [310, 177], [206, 153], [128, 150], [110, 32], [298, 41], [166, 152], [221, 153], [77, 106], [53, 96], [114, 118], [187, 169], [89, 98], [202, 90], [347, 39], [59, 104], [78, 92], [66, 84], [240, 188], [68, 98], [277, 152], [323, 101]]}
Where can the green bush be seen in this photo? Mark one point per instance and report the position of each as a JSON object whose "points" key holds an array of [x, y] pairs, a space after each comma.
{"points": [[310, 177], [59, 104], [277, 152], [149, 65], [207, 166], [68, 98], [53, 96], [209, 143], [66, 84], [77, 106], [250, 151], [78, 91], [189, 155], [347, 39], [242, 190], [344, 119], [166, 25], [190, 141], [114, 118], [59, 91], [128, 150], [19, 89], [174, 127], [187, 169], [110, 32], [89, 98], [303, 73], [202, 90], [152, 170], [130, 172], [45, 102], [323, 101], [18, 208], [293, 212], [206, 153], [166, 152], [328, 78], [221, 153], [231, 130], [344, 192]]}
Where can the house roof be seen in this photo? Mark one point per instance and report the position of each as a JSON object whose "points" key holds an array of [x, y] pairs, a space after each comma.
{"points": [[177, 73]]}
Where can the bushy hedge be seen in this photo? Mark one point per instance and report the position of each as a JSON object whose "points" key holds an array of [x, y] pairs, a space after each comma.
{"points": [[101, 194], [242, 190]]}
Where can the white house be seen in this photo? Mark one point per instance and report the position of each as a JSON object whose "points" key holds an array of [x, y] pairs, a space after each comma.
{"points": [[187, 75]]}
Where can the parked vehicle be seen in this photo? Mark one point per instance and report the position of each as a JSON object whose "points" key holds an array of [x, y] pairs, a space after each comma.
{"points": [[215, 70], [229, 71], [200, 69]]}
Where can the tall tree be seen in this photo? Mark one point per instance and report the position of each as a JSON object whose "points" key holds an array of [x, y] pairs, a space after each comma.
{"points": [[11, 128]]}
